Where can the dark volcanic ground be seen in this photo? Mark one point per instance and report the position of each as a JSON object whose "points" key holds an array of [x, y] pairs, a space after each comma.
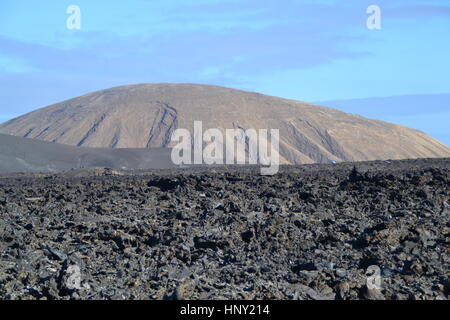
{"points": [[309, 232]]}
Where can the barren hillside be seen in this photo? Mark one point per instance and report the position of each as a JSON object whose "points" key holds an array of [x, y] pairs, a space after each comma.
{"points": [[29, 155]]}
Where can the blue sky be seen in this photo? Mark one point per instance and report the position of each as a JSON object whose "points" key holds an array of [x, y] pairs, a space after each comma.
{"points": [[311, 50]]}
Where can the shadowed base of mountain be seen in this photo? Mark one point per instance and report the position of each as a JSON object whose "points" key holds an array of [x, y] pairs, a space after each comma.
{"points": [[28, 155], [18, 154]]}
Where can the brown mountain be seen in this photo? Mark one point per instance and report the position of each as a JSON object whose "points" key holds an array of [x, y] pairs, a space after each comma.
{"points": [[144, 116]]}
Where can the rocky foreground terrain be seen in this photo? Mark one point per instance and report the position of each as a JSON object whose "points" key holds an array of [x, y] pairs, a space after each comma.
{"points": [[309, 232]]}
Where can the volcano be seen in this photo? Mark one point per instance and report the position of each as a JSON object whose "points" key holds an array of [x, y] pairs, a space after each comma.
{"points": [[146, 115]]}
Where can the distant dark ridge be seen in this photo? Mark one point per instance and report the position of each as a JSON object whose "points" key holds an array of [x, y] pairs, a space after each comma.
{"points": [[19, 154]]}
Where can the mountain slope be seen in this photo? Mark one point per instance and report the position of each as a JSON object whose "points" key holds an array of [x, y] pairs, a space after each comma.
{"points": [[144, 116], [429, 112]]}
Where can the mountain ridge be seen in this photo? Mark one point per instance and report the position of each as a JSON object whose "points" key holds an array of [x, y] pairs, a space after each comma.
{"points": [[427, 112], [18, 154]]}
